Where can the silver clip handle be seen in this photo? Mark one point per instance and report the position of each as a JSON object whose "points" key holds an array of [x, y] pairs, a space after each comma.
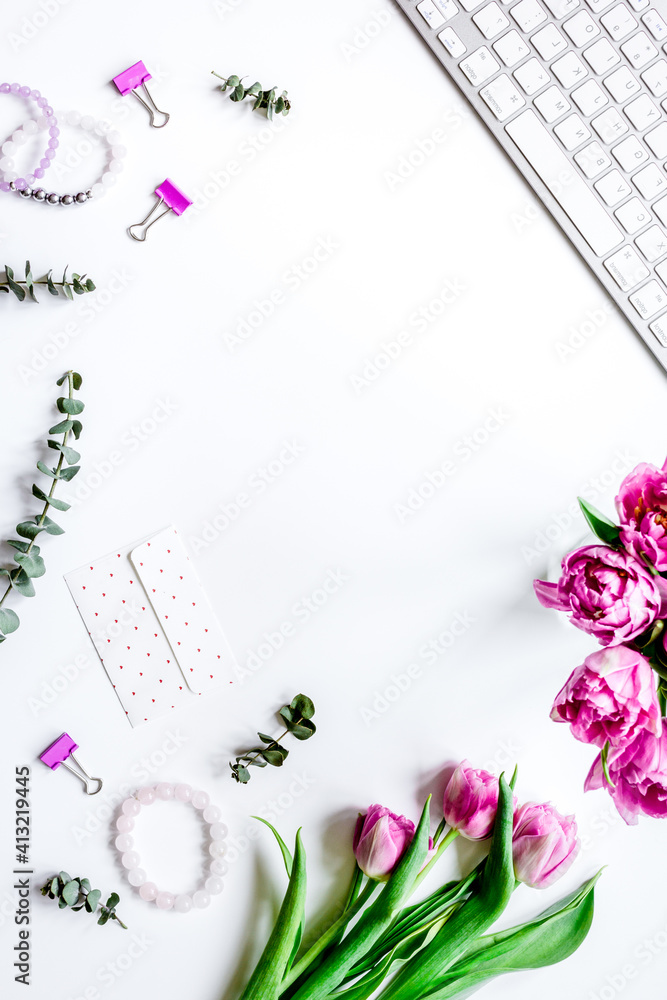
{"points": [[151, 107], [83, 776], [146, 224]]}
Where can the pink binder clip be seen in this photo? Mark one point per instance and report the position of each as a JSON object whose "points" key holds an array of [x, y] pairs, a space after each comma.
{"points": [[129, 81], [59, 751], [168, 195]]}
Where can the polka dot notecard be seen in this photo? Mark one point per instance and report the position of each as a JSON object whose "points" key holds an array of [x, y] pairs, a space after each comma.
{"points": [[153, 626]]}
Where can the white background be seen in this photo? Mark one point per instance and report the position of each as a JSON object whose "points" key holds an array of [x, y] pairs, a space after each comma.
{"points": [[576, 411]]}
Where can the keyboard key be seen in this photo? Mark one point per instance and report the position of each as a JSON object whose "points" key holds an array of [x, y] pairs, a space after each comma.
{"points": [[572, 132], [452, 42], [610, 126], [655, 78], [528, 14], [639, 4], [619, 22], [430, 13], [549, 41], [552, 104], [622, 84], [629, 153], [650, 181], [613, 188], [599, 5], [656, 140], [660, 209], [633, 216], [659, 329], [532, 76], [569, 69], [626, 268], [656, 25], [469, 4], [559, 8], [511, 48], [447, 8], [490, 20], [575, 198], [581, 28], [601, 56], [589, 98], [639, 50], [652, 243], [650, 299], [502, 97], [479, 66], [642, 112], [592, 159]]}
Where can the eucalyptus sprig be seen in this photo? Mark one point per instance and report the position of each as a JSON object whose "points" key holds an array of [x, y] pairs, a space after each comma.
{"points": [[29, 563], [297, 719], [77, 894], [264, 99], [79, 284]]}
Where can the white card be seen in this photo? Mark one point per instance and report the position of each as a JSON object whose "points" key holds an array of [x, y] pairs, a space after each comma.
{"points": [[153, 626]]}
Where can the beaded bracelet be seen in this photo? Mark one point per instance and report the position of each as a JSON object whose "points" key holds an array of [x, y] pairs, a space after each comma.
{"points": [[10, 178], [113, 167], [130, 860]]}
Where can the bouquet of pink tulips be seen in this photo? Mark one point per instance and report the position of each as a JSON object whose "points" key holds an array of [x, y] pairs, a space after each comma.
{"points": [[617, 592], [438, 947]]}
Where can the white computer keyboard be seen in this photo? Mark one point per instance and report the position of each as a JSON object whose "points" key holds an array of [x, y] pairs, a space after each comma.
{"points": [[576, 93]]}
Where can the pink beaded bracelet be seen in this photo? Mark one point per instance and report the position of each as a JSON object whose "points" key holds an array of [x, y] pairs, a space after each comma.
{"points": [[217, 831]]}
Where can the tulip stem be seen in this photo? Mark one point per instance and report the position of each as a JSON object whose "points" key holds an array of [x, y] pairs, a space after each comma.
{"points": [[300, 967], [442, 847]]}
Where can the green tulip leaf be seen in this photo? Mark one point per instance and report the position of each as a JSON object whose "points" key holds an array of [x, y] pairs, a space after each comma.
{"points": [[266, 981], [550, 938], [601, 526]]}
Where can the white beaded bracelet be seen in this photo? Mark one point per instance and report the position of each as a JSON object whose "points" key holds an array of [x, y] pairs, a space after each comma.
{"points": [[217, 831], [113, 166]]}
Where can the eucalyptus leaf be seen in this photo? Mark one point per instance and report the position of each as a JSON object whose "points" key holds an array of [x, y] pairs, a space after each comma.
{"points": [[22, 584], [9, 621], [70, 892]]}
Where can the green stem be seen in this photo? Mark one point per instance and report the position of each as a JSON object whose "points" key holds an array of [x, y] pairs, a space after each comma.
{"points": [[450, 836], [61, 459], [319, 946], [114, 916]]}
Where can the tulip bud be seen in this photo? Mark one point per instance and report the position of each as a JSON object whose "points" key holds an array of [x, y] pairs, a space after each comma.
{"points": [[380, 839], [471, 802], [544, 844]]}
